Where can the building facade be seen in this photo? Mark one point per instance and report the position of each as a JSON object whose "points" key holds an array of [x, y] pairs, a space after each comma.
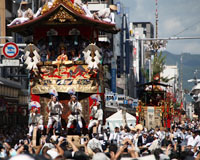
{"points": [[172, 73], [13, 87], [142, 57]]}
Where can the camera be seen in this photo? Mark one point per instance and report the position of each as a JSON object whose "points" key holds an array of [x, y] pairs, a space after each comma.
{"points": [[26, 148], [127, 143], [114, 142], [55, 142], [126, 150]]}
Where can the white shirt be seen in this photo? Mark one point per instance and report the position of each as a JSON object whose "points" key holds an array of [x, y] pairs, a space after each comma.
{"points": [[78, 3], [162, 135], [75, 106], [114, 136], [188, 136], [191, 141], [87, 11], [104, 13], [135, 138], [127, 135], [175, 134], [159, 134], [182, 135], [197, 141], [155, 144], [55, 107], [99, 115]]}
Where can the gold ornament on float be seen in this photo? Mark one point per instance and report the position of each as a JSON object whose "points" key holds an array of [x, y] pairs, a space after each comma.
{"points": [[62, 16], [65, 2]]}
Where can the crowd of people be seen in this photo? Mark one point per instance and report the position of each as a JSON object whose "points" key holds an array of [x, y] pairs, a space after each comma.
{"points": [[181, 141]]}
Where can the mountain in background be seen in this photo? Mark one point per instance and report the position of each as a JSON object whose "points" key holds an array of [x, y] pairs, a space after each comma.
{"points": [[190, 63]]}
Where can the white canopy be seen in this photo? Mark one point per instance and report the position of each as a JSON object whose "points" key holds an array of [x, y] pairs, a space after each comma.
{"points": [[116, 120], [196, 87]]}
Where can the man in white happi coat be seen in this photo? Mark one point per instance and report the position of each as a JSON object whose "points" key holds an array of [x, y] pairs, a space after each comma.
{"points": [[35, 121], [76, 111], [97, 117], [83, 6], [24, 14], [115, 137], [55, 111], [49, 3], [106, 14]]}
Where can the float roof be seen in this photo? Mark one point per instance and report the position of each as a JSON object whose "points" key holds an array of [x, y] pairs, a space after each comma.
{"points": [[62, 13]]}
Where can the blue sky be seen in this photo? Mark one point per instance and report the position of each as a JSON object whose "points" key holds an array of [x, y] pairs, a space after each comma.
{"points": [[174, 16]]}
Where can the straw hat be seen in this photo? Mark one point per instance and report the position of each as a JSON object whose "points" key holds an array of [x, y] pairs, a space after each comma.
{"points": [[133, 129], [113, 7], [23, 2], [139, 126]]}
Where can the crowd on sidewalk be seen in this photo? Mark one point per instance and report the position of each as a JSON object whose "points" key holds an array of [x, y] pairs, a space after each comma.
{"points": [[181, 141]]}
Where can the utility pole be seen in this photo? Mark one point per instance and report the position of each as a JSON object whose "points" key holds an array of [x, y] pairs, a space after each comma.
{"points": [[124, 55], [156, 18], [2, 21], [181, 87], [181, 76]]}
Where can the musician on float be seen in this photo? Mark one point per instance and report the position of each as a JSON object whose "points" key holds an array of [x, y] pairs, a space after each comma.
{"points": [[97, 116], [55, 112], [24, 14], [45, 3], [106, 14], [76, 111], [63, 54]]}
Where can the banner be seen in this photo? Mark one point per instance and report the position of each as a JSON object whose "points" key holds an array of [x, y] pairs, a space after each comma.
{"points": [[64, 78], [150, 117], [113, 80]]}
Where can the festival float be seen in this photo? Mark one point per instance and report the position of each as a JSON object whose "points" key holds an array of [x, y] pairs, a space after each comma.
{"points": [[156, 105], [63, 29]]}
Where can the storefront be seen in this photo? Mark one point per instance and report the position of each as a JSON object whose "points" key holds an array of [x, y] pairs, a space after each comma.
{"points": [[12, 102]]}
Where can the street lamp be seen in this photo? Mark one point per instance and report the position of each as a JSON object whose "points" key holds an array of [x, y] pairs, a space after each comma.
{"points": [[155, 45], [7, 38]]}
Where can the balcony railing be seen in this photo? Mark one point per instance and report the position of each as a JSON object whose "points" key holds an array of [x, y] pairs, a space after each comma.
{"points": [[95, 5], [98, 1]]}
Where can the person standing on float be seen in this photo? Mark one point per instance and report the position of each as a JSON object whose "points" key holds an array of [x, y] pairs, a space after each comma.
{"points": [[55, 112], [97, 117], [76, 112]]}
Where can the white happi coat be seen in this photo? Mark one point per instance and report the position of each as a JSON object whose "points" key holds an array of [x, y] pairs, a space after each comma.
{"points": [[76, 108], [55, 111]]}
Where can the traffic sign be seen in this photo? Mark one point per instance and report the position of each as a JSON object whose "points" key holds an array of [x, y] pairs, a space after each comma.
{"points": [[135, 103], [125, 102], [130, 101], [10, 50], [11, 62], [118, 8]]}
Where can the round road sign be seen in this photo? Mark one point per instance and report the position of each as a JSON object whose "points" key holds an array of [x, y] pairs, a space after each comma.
{"points": [[10, 50]]}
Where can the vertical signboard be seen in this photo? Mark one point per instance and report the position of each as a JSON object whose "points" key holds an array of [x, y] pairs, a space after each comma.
{"points": [[150, 117], [113, 80], [118, 8]]}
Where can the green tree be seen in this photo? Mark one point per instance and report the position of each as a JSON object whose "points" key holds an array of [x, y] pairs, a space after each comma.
{"points": [[158, 66]]}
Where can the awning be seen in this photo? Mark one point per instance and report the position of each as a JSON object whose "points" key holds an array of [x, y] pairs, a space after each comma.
{"points": [[154, 83], [9, 83], [195, 88]]}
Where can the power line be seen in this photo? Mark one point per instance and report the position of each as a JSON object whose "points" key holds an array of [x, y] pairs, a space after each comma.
{"points": [[169, 38], [187, 28]]}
